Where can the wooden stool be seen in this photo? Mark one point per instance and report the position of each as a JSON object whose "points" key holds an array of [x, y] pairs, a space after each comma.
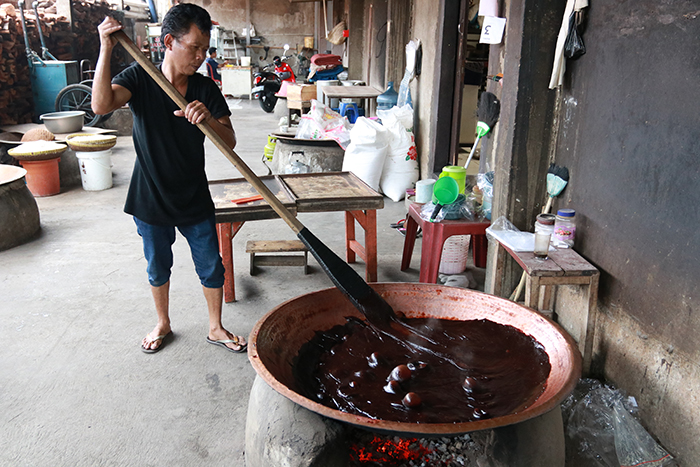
{"points": [[434, 236], [301, 106], [562, 267], [276, 246]]}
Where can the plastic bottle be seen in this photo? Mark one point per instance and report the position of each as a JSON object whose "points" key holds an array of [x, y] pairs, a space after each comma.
{"points": [[564, 229], [388, 98]]}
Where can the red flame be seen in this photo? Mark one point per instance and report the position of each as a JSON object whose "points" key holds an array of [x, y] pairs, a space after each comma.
{"points": [[381, 450]]}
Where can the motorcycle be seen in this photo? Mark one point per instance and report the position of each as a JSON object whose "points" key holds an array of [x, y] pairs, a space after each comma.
{"points": [[267, 82]]}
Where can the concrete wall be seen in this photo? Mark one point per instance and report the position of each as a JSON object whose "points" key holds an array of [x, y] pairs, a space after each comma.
{"points": [[278, 21], [629, 136]]}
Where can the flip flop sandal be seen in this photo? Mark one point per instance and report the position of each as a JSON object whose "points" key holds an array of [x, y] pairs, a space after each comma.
{"points": [[165, 338], [398, 225], [223, 342], [402, 231]]}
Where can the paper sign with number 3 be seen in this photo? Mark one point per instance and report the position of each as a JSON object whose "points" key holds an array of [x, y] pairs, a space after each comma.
{"points": [[492, 30]]}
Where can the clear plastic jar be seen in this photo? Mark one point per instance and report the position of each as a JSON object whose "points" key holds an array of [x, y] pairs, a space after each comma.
{"points": [[564, 229]]}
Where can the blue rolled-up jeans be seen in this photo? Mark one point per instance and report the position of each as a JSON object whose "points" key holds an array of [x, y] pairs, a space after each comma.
{"points": [[204, 246]]}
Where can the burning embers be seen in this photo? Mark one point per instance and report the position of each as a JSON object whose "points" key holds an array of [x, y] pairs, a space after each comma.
{"points": [[482, 370], [389, 451], [468, 450]]}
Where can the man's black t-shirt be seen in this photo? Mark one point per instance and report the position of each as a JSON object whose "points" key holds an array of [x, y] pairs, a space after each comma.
{"points": [[169, 184]]}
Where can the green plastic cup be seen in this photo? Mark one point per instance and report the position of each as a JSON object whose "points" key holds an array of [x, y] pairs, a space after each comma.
{"points": [[445, 191]]}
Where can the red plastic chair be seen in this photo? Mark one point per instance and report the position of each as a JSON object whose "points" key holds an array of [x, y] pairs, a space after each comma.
{"points": [[210, 72], [434, 236]]}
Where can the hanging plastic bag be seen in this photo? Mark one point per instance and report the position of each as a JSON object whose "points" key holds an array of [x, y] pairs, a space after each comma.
{"points": [[413, 57], [485, 183], [574, 46], [366, 153]]}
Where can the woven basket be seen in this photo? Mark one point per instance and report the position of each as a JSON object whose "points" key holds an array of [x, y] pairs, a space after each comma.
{"points": [[454, 254], [85, 142], [37, 151]]}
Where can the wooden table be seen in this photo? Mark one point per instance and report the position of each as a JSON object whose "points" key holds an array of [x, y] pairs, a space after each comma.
{"points": [[368, 93], [562, 267], [315, 192]]}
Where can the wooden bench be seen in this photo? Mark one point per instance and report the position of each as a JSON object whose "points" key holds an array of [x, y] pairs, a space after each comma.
{"points": [[562, 267], [255, 247]]}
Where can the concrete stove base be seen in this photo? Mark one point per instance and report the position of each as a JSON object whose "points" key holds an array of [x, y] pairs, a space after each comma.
{"points": [[282, 433]]}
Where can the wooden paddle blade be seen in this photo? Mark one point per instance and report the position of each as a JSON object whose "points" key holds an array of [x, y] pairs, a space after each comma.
{"points": [[363, 297]]}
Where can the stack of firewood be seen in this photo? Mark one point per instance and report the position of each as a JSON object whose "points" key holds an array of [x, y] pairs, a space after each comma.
{"points": [[83, 42], [16, 103]]}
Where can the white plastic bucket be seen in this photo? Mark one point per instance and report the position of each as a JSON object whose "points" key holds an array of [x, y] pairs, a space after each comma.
{"points": [[454, 254], [245, 61], [95, 169]]}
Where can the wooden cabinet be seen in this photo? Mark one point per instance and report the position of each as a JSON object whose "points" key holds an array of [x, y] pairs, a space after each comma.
{"points": [[236, 81]]}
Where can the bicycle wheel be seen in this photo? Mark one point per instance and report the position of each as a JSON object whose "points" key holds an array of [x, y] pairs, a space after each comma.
{"points": [[77, 97]]}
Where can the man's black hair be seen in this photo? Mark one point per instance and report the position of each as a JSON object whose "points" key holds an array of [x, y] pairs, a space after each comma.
{"points": [[212, 50], [180, 18]]}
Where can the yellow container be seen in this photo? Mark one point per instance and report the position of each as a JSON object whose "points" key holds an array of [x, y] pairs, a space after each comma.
{"points": [[456, 172]]}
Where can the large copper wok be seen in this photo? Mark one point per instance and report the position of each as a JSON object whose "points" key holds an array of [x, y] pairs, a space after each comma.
{"points": [[278, 336]]}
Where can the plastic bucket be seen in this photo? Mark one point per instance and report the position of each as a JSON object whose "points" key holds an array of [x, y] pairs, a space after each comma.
{"points": [[245, 61], [95, 169], [424, 190], [456, 172], [43, 178], [454, 254]]}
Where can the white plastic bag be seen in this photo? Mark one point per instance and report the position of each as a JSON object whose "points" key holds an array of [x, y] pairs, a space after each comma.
{"points": [[601, 429], [400, 170], [323, 123], [366, 152]]}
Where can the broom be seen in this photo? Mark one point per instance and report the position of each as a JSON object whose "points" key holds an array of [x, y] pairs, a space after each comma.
{"points": [[487, 114], [557, 179]]}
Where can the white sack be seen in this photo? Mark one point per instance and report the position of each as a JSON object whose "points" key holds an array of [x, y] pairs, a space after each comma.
{"points": [[366, 152], [400, 170], [403, 114]]}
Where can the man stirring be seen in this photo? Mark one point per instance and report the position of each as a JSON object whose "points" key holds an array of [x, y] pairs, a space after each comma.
{"points": [[168, 186]]}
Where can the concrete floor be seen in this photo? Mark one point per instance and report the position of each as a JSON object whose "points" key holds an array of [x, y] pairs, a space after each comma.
{"points": [[75, 303]]}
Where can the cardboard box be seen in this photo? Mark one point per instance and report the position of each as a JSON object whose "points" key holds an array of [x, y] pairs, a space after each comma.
{"points": [[301, 92]]}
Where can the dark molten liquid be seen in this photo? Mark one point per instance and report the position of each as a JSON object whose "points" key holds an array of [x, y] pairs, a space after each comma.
{"points": [[471, 370]]}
